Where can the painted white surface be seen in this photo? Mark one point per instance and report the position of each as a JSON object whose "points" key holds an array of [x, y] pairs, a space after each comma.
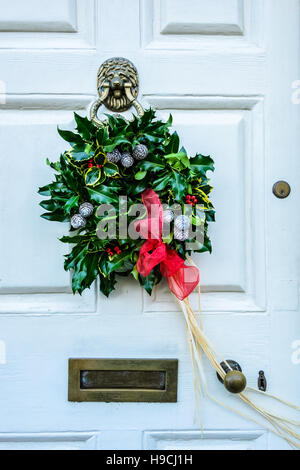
{"points": [[58, 24], [210, 440], [201, 17], [230, 90], [57, 16]]}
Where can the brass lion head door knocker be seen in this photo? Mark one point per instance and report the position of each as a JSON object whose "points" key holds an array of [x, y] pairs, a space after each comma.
{"points": [[118, 88]]}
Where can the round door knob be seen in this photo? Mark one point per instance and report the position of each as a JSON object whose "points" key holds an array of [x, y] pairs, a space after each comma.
{"points": [[235, 382], [281, 189]]}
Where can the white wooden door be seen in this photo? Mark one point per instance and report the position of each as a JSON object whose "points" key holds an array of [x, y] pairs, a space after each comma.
{"points": [[228, 70]]}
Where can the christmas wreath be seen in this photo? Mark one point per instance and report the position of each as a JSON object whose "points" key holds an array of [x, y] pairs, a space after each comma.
{"points": [[138, 159]]}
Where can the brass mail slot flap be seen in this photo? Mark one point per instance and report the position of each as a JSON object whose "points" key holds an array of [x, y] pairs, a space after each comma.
{"points": [[123, 380]]}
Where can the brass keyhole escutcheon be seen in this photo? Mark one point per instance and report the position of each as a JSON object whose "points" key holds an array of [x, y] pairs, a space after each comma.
{"points": [[281, 189]]}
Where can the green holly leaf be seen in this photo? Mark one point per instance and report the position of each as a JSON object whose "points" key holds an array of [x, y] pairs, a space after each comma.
{"points": [[161, 183], [85, 273], [109, 265], [107, 285], [85, 127], [81, 153], [140, 175], [179, 186], [173, 145], [115, 143], [139, 188], [201, 164], [103, 195], [92, 176], [56, 216], [178, 161], [50, 205], [78, 276], [100, 157], [70, 137], [150, 281], [72, 240], [153, 163], [205, 247], [77, 254], [71, 203], [111, 170], [103, 136], [44, 191], [135, 273]]}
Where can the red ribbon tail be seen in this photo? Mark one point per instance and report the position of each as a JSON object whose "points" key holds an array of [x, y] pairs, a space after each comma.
{"points": [[182, 279], [184, 282]]}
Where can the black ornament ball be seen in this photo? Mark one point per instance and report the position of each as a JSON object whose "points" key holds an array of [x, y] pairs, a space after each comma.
{"points": [[140, 152]]}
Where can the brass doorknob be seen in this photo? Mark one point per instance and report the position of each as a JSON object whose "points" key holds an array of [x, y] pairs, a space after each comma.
{"points": [[235, 382], [281, 189]]}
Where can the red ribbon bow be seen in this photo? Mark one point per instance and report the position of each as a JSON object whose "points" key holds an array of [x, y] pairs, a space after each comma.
{"points": [[182, 279]]}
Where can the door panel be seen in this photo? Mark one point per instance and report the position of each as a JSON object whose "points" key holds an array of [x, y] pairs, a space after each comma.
{"points": [[226, 75]]}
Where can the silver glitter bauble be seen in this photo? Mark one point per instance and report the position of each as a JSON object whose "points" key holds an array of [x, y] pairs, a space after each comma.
{"points": [[181, 235], [78, 221], [127, 160], [168, 216], [114, 157], [140, 152], [182, 223], [86, 210]]}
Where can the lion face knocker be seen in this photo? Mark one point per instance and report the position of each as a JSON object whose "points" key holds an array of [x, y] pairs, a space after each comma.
{"points": [[118, 87], [119, 76]]}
